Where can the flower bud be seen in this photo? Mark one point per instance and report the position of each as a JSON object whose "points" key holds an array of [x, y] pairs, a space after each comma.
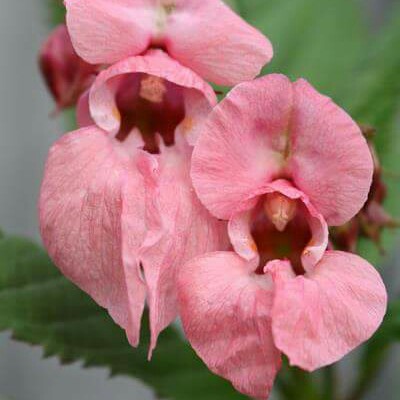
{"points": [[67, 76], [372, 218]]}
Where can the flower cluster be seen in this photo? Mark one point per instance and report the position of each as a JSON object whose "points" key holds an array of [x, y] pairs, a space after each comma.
{"points": [[218, 213]]}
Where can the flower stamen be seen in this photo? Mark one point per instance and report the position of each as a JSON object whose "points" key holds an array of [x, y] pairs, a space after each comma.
{"points": [[153, 89], [280, 210]]}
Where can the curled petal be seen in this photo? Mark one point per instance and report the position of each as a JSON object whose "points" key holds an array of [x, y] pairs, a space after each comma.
{"points": [[240, 234], [208, 37], [239, 229], [92, 222], [107, 31], [83, 117], [103, 105], [225, 311], [320, 317], [184, 229]]}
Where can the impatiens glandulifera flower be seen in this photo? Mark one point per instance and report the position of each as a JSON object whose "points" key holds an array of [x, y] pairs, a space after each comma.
{"points": [[373, 218], [205, 36], [67, 76], [280, 162], [118, 213]]}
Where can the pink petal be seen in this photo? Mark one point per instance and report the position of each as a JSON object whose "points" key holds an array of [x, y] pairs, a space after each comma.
{"points": [[92, 222], [107, 31], [83, 117], [157, 63], [269, 129], [331, 161], [183, 230], [239, 150], [225, 311], [320, 317], [208, 37]]}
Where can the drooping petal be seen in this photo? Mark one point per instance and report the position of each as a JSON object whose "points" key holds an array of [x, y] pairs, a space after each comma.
{"points": [[330, 159], [225, 310], [241, 145], [155, 63], [183, 230], [107, 31], [92, 222], [208, 37], [320, 317]]}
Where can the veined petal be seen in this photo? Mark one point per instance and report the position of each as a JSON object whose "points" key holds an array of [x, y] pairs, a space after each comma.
{"points": [[269, 129], [320, 317], [330, 159], [208, 37], [241, 145], [107, 31], [225, 310], [185, 229], [92, 222]]}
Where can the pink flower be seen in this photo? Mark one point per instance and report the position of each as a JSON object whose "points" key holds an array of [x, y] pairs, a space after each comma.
{"points": [[117, 210], [67, 76], [206, 36], [280, 162]]}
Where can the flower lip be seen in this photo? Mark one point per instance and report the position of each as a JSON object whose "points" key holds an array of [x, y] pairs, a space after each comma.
{"points": [[149, 108], [281, 224], [281, 237], [152, 97]]}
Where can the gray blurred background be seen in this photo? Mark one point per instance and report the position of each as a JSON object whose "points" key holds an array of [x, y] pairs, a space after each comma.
{"points": [[26, 133]]}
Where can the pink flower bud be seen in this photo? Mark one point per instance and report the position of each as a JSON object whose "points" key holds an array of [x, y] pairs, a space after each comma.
{"points": [[67, 76]]}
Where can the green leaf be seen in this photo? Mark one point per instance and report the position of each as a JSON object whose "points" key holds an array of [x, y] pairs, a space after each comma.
{"points": [[57, 12], [41, 307], [319, 40]]}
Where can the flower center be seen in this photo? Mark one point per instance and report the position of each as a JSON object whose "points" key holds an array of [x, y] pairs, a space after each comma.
{"points": [[152, 106], [152, 88], [280, 210], [280, 230]]}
